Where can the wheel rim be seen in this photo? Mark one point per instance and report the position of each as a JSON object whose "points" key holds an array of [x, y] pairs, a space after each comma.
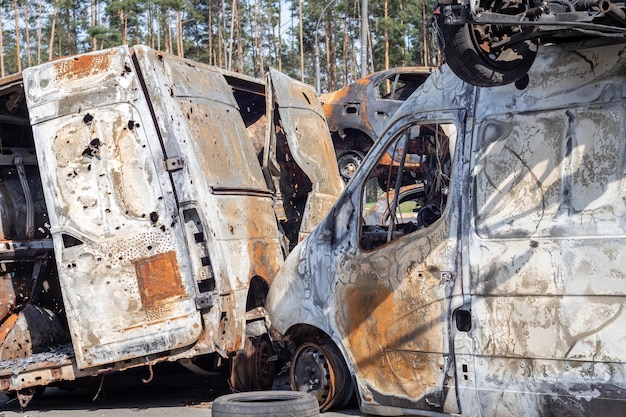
{"points": [[252, 368], [321, 371], [310, 372], [348, 164], [264, 367]]}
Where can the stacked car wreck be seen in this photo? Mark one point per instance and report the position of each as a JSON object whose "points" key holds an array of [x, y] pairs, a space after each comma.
{"points": [[147, 203], [501, 291]]}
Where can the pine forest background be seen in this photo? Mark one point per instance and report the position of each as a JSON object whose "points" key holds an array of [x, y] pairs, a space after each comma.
{"points": [[247, 36]]}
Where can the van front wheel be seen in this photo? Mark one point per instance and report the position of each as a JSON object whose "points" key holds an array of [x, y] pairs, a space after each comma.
{"points": [[319, 368]]}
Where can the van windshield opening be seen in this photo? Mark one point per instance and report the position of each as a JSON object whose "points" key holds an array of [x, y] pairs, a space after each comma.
{"points": [[407, 189]]}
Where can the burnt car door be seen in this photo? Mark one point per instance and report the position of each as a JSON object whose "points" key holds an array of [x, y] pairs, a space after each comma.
{"points": [[123, 266], [394, 301], [299, 117]]}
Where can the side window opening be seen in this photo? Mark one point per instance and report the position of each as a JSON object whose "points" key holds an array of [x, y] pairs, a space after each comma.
{"points": [[398, 87], [407, 189]]}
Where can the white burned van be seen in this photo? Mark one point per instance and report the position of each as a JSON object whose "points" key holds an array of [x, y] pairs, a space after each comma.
{"points": [[146, 203], [492, 282]]}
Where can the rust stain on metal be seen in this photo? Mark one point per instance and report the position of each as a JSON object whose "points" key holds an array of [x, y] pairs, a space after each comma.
{"points": [[159, 279], [82, 66], [263, 259], [389, 344], [366, 336]]}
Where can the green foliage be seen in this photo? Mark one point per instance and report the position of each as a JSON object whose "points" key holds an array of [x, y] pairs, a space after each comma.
{"points": [[206, 32]]}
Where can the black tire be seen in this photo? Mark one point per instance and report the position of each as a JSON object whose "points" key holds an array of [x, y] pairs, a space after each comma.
{"points": [[266, 404], [486, 66], [348, 162]]}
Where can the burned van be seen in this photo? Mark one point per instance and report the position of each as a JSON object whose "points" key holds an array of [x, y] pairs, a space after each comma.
{"points": [[147, 201], [493, 282]]}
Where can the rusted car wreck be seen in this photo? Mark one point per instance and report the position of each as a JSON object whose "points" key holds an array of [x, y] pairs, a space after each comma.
{"points": [[500, 290], [358, 113], [147, 202]]}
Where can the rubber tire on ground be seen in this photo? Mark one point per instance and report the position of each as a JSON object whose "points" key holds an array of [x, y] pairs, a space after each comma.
{"points": [[471, 64], [266, 404]]}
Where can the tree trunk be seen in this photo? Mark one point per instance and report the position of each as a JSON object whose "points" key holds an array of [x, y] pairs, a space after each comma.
{"points": [[210, 30], [345, 51], [404, 46], [386, 34], [386, 40], [239, 43], [2, 74], [301, 41], [180, 49], [149, 23], [233, 8], [18, 50], [220, 23], [94, 40], [353, 56], [122, 18], [27, 24], [54, 23], [331, 53], [38, 32], [170, 47], [280, 41], [426, 55], [259, 40]]}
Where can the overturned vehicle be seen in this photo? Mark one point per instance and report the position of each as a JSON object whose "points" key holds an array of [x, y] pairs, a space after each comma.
{"points": [[489, 43], [147, 202]]}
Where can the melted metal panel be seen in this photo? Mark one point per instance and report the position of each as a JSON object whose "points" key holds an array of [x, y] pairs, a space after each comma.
{"points": [[364, 106], [221, 181], [202, 99]]}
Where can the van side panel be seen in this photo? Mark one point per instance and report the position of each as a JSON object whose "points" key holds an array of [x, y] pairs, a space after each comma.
{"points": [[547, 239]]}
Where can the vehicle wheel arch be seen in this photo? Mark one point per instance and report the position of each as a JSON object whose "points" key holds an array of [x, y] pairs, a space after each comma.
{"points": [[350, 148], [258, 287], [252, 367]]}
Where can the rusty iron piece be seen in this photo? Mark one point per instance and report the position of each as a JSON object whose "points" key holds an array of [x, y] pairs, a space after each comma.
{"points": [[14, 292], [24, 396], [253, 367], [300, 114]]}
